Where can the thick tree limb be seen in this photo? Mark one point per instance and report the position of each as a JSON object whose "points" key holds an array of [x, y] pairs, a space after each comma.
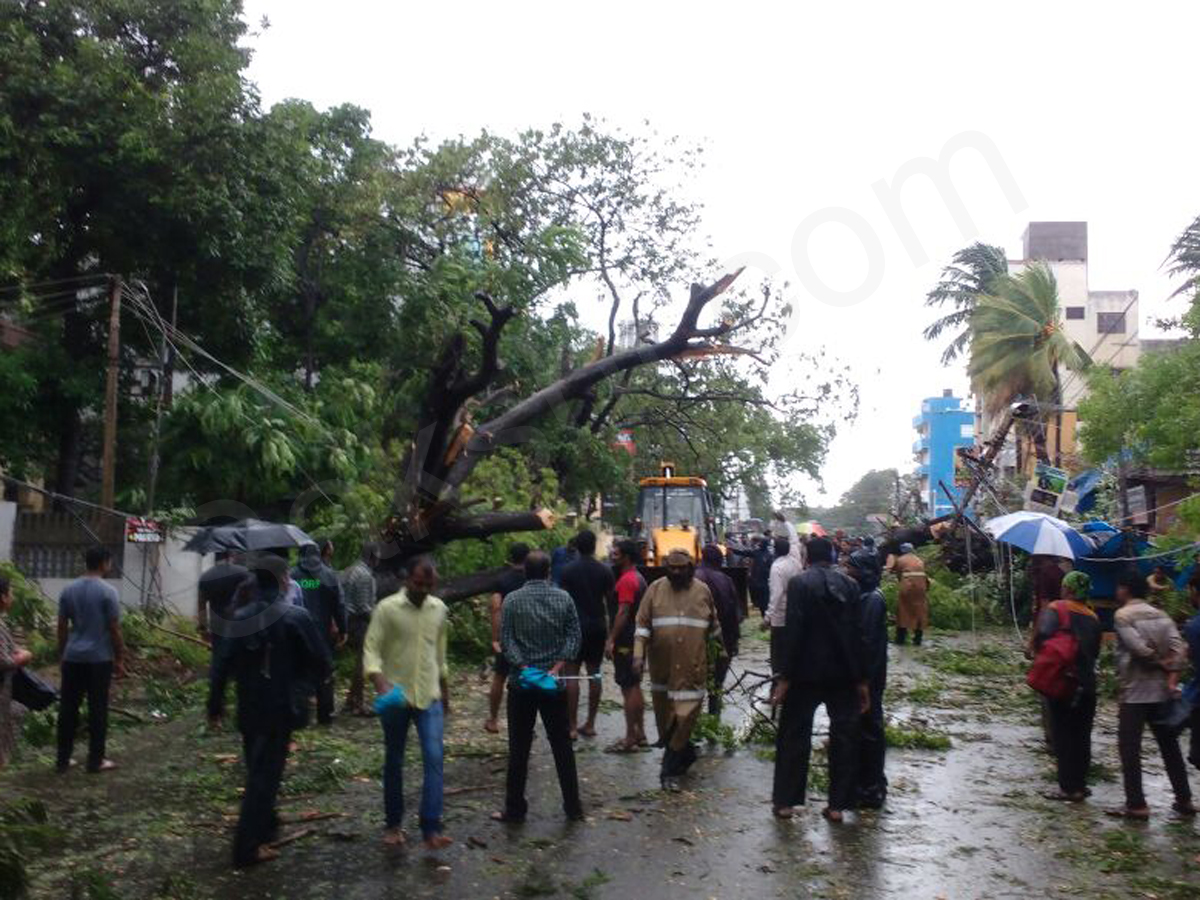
{"points": [[486, 582], [484, 525], [510, 427], [442, 421]]}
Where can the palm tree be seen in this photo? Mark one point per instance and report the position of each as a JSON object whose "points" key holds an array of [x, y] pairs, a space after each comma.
{"points": [[1184, 258], [1018, 345], [971, 272]]}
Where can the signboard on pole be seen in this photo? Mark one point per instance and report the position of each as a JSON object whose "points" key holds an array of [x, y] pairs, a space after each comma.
{"points": [[1044, 493], [144, 531]]}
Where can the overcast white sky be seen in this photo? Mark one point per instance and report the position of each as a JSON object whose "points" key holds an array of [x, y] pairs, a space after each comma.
{"points": [[804, 108]]}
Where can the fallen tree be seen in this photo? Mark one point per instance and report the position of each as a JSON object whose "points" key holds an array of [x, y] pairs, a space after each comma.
{"points": [[428, 508]]}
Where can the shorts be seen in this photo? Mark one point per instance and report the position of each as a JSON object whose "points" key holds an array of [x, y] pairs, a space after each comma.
{"points": [[501, 665], [591, 649], [623, 668]]}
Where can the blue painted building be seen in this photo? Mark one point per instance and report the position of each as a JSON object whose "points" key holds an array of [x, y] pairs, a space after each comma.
{"points": [[943, 426]]}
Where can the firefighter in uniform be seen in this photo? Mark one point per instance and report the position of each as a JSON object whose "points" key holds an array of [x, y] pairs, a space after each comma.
{"points": [[676, 622]]}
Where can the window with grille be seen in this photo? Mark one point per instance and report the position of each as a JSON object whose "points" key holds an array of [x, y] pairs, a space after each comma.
{"points": [[1075, 312], [1110, 323]]}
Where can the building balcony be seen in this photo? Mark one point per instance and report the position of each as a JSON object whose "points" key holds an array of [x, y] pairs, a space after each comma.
{"points": [[919, 421], [920, 445], [923, 470]]}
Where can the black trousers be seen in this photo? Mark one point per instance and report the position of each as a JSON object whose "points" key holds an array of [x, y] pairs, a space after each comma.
{"points": [[79, 680], [675, 763], [1194, 744], [872, 749], [266, 752], [793, 744], [355, 639], [1132, 718], [760, 596], [524, 707], [325, 693], [716, 697], [1071, 738]]}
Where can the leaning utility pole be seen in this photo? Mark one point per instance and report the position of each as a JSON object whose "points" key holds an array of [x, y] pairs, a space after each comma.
{"points": [[109, 459]]}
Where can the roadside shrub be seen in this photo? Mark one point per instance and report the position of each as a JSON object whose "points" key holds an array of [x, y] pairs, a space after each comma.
{"points": [[32, 610], [470, 637], [24, 832]]}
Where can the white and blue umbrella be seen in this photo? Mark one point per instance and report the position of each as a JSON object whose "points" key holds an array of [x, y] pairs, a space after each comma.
{"points": [[1039, 533]]}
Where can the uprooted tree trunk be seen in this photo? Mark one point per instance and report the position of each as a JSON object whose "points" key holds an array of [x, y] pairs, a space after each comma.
{"points": [[428, 511]]}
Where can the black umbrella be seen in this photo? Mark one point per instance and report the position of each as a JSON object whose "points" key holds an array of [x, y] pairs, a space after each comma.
{"points": [[248, 534]]}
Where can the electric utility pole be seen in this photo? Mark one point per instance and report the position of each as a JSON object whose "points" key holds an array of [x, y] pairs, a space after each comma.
{"points": [[109, 459]]}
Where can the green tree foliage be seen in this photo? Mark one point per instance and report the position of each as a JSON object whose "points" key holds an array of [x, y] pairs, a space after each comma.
{"points": [[1151, 412], [873, 494], [333, 270], [971, 274], [127, 144], [1018, 344]]}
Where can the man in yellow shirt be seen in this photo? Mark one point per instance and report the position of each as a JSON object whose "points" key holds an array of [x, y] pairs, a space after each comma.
{"points": [[405, 648]]}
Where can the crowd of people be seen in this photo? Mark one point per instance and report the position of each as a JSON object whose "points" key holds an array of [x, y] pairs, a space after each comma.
{"points": [[274, 631], [1151, 655]]}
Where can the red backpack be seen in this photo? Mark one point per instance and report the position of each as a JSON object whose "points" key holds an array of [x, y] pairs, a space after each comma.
{"points": [[1055, 671]]}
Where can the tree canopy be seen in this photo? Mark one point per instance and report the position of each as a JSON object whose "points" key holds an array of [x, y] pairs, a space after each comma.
{"points": [[346, 311], [873, 494]]}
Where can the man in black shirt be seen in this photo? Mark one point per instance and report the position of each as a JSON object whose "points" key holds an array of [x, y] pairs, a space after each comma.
{"points": [[725, 598], [217, 598], [273, 651], [821, 660], [513, 578], [591, 585], [322, 593], [762, 556]]}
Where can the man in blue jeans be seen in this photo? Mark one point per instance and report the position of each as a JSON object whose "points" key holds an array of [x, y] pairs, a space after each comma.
{"points": [[405, 648]]}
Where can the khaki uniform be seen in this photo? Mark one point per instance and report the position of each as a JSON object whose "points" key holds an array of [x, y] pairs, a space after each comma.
{"points": [[672, 635], [912, 609]]}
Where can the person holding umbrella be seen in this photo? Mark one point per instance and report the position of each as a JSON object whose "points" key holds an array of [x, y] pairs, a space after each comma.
{"points": [[271, 650]]}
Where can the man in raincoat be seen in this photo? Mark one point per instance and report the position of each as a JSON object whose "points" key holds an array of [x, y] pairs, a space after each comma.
{"points": [[676, 621], [912, 611]]}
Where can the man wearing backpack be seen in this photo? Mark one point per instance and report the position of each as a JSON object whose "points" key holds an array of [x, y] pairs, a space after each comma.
{"points": [[1066, 643]]}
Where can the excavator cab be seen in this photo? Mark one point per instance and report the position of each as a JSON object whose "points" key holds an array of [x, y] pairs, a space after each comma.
{"points": [[674, 513]]}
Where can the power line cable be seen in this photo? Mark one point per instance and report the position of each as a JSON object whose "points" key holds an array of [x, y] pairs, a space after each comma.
{"points": [[55, 281], [140, 307]]}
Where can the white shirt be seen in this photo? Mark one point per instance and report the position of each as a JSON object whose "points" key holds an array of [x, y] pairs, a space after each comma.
{"points": [[795, 547], [783, 570]]}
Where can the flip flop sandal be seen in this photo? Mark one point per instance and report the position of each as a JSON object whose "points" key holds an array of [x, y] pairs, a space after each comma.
{"points": [[1124, 812], [620, 747]]}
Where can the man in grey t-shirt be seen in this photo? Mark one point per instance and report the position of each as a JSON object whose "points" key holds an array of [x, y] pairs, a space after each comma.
{"points": [[91, 648]]}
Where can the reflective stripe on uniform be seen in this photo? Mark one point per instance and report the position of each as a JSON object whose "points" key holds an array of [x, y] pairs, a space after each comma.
{"points": [[686, 621], [677, 695], [641, 632]]}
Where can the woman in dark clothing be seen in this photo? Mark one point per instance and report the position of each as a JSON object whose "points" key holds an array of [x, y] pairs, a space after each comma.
{"points": [[1071, 720]]}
